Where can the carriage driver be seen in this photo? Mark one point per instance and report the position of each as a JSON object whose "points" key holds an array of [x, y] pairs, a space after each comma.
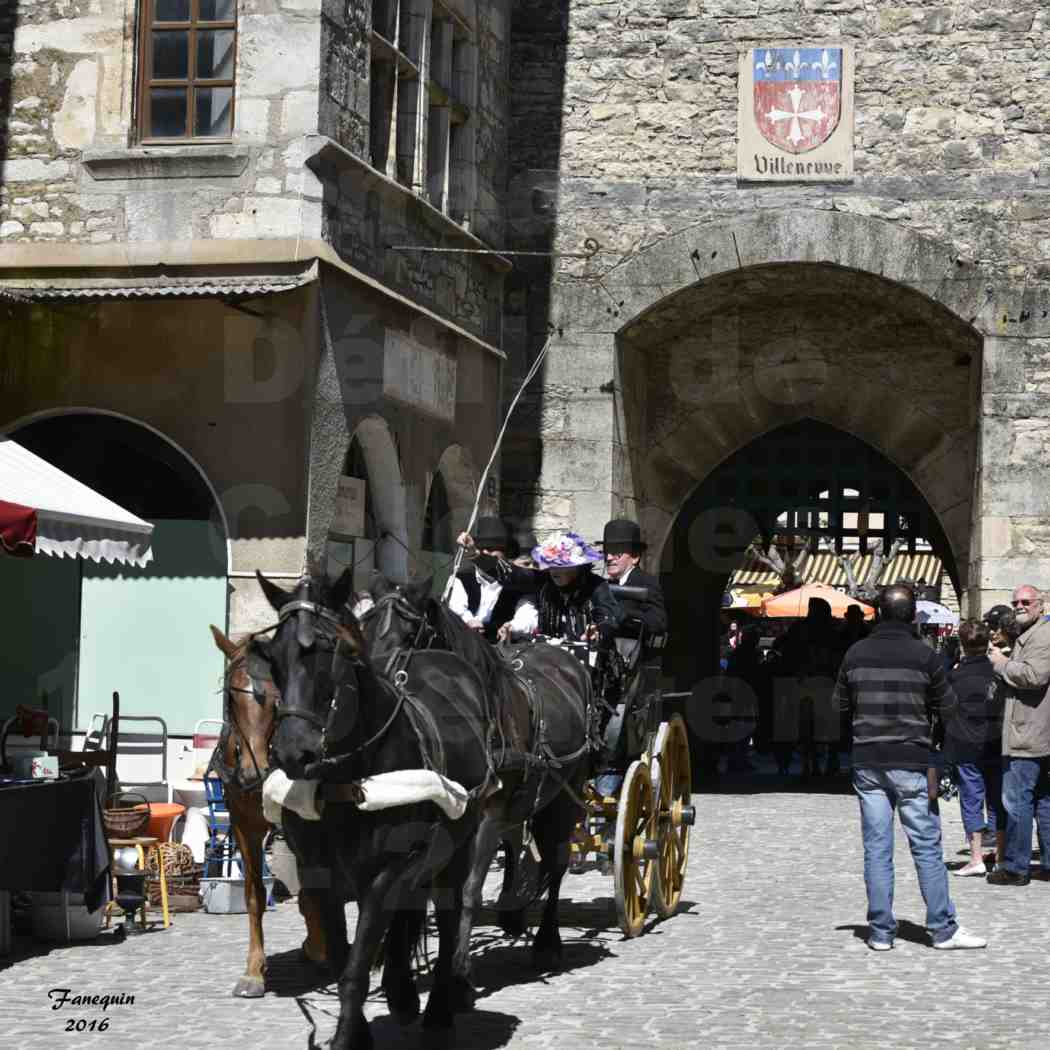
{"points": [[481, 600]]}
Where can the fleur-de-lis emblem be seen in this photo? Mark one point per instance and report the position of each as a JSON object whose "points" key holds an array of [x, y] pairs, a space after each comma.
{"points": [[767, 65], [824, 65], [794, 69]]}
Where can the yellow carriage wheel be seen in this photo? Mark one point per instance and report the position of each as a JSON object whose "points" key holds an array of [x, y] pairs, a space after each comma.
{"points": [[634, 850], [673, 785]]}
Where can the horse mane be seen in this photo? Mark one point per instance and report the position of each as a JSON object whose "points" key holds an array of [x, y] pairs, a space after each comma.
{"points": [[496, 673], [464, 641]]}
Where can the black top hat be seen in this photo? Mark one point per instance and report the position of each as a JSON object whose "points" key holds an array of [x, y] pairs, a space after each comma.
{"points": [[622, 536], [491, 534]]}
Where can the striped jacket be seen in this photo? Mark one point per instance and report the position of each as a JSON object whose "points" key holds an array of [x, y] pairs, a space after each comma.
{"points": [[893, 684]]}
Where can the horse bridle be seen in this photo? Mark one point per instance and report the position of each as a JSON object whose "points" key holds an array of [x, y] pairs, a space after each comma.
{"points": [[322, 614], [424, 638], [312, 717]]}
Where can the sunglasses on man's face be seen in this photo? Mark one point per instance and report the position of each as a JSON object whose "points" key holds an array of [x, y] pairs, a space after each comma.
{"points": [[1025, 601]]}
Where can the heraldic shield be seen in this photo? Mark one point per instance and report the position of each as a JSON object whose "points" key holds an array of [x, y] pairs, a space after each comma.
{"points": [[798, 95]]}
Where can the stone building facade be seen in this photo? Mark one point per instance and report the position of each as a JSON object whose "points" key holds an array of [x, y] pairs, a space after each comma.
{"points": [[210, 217], [907, 307]]}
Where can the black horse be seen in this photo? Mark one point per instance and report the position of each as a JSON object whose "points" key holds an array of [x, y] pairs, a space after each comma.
{"points": [[339, 722], [539, 705]]}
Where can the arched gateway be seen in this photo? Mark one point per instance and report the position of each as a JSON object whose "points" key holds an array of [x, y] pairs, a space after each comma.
{"points": [[717, 336]]}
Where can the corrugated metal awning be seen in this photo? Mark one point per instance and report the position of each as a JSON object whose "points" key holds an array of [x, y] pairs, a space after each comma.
{"points": [[164, 286], [824, 568], [54, 513]]}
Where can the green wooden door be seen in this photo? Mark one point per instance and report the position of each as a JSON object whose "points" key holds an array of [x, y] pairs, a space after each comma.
{"points": [[144, 632]]}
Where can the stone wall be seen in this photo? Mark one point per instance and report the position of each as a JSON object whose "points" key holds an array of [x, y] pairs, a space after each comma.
{"points": [[73, 100], [73, 175], [952, 124]]}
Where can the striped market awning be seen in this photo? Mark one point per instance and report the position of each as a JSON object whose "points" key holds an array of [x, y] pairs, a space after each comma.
{"points": [[824, 568]]}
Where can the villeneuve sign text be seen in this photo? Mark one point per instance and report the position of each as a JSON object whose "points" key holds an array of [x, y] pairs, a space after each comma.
{"points": [[795, 121]]}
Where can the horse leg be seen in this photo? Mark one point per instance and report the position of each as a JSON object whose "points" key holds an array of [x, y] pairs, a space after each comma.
{"points": [[481, 851], [399, 984], [553, 828], [439, 1017], [512, 920], [250, 830]]}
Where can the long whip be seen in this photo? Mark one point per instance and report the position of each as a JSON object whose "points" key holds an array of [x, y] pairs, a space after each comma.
{"points": [[488, 466]]}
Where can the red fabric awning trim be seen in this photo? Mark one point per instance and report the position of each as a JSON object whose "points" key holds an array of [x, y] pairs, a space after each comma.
{"points": [[17, 529]]}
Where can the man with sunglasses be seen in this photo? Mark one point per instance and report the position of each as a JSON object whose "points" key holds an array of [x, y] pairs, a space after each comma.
{"points": [[1025, 674]]}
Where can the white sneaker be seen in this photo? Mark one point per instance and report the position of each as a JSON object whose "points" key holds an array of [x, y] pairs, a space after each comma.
{"points": [[972, 869], [962, 939], [879, 946]]}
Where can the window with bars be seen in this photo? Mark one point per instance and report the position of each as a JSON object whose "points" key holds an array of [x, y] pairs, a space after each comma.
{"points": [[423, 92], [187, 60]]}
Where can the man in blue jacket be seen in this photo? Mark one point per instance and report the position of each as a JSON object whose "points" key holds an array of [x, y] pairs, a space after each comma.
{"points": [[893, 684]]}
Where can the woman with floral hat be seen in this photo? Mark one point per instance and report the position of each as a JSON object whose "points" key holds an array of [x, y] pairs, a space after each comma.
{"points": [[573, 602]]}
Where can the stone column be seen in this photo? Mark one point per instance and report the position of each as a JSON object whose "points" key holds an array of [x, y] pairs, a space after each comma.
{"points": [[1012, 518], [576, 478]]}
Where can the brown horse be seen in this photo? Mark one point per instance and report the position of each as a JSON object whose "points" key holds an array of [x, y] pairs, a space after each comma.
{"points": [[242, 763]]}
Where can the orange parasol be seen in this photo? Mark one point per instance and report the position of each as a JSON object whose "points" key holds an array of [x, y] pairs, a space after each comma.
{"points": [[796, 603]]}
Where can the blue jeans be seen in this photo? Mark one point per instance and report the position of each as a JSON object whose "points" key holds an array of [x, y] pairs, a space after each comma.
{"points": [[881, 791], [1026, 794], [981, 792]]}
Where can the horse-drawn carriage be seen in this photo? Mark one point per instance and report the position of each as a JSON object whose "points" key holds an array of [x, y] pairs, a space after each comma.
{"points": [[641, 832]]}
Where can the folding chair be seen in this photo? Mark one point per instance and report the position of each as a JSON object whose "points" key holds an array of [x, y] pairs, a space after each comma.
{"points": [[221, 852], [141, 755]]}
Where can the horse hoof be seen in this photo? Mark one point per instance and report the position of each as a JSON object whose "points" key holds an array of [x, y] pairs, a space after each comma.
{"points": [[546, 960], [250, 988]]}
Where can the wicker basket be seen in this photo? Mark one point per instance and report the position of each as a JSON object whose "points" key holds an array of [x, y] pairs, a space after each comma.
{"points": [[180, 873], [123, 818]]}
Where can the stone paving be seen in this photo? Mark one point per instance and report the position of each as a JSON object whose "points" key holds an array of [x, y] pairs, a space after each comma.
{"points": [[767, 951]]}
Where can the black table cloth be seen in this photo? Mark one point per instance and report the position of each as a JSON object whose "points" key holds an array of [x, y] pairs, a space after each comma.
{"points": [[52, 837]]}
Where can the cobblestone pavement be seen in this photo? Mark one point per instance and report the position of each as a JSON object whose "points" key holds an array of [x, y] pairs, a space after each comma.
{"points": [[767, 951]]}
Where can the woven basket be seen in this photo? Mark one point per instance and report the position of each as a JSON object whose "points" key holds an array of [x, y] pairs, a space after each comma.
{"points": [[124, 819], [177, 857], [183, 893]]}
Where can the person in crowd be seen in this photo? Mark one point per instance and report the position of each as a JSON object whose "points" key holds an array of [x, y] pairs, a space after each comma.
{"points": [[809, 659], [892, 683], [973, 741], [1025, 674], [623, 547], [480, 599], [1003, 625]]}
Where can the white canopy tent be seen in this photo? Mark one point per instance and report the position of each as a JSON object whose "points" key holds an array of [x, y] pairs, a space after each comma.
{"points": [[934, 614], [44, 507]]}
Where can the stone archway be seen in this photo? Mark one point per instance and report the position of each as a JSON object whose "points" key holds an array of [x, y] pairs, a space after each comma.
{"points": [[387, 491], [607, 326], [83, 629], [723, 362]]}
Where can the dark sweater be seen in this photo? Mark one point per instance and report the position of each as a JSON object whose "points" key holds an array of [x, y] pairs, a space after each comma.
{"points": [[893, 684], [974, 733]]}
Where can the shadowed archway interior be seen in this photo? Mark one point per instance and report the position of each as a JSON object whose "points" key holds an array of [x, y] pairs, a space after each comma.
{"points": [[801, 470]]}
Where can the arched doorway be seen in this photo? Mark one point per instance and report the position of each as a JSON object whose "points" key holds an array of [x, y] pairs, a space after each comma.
{"points": [[450, 499], [82, 630], [803, 481], [368, 530]]}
